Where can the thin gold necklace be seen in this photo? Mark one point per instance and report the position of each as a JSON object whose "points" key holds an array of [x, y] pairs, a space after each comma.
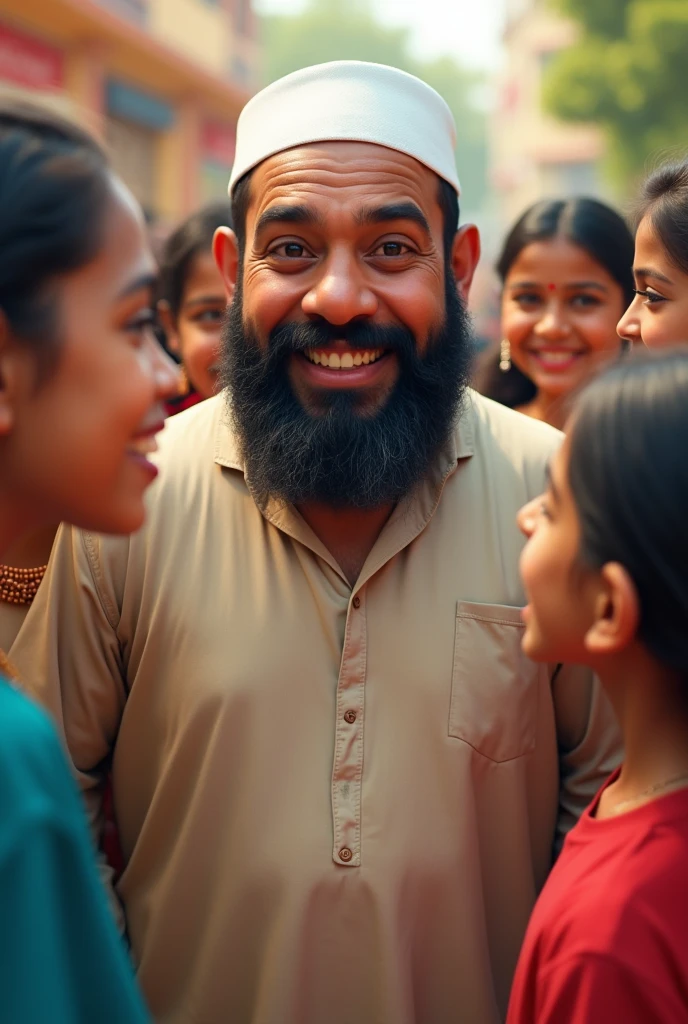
{"points": [[650, 791]]}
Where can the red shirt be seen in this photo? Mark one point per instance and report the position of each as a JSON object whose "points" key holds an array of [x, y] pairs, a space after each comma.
{"points": [[608, 940]]}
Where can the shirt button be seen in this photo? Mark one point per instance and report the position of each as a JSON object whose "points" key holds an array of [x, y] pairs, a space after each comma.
{"points": [[345, 854], [350, 717], [356, 602]]}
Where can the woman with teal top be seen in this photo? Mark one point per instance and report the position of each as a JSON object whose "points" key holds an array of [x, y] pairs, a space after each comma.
{"points": [[82, 382]]}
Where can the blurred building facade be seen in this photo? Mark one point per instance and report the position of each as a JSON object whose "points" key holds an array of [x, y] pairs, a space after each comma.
{"points": [[161, 81], [532, 154]]}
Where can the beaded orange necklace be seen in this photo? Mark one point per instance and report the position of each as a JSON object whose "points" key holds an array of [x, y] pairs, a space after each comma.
{"points": [[20, 586]]}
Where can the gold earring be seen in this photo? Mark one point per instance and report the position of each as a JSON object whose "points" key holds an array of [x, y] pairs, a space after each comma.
{"points": [[505, 356], [183, 386]]}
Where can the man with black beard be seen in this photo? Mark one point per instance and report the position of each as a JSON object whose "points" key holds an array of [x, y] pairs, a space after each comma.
{"points": [[338, 782]]}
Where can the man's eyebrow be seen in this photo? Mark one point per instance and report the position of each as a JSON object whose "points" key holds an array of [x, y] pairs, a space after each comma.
{"points": [[552, 487], [287, 214], [393, 211], [649, 272]]}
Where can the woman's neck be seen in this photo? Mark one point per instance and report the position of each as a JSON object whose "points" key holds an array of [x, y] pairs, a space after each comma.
{"points": [[552, 409], [28, 550], [651, 705]]}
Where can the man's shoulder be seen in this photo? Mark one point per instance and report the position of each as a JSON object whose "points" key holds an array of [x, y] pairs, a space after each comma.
{"points": [[192, 432], [498, 426]]}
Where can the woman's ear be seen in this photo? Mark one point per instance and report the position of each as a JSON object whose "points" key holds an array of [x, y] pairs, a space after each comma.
{"points": [[616, 610], [226, 253], [168, 325]]}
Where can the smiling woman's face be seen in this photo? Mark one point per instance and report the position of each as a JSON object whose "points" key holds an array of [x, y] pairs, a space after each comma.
{"points": [[559, 313], [658, 315]]}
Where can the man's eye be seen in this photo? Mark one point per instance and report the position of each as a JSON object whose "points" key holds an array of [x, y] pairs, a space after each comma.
{"points": [[292, 250], [393, 249]]}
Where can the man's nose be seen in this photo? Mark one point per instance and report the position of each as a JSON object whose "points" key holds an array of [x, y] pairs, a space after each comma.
{"points": [[341, 293]]}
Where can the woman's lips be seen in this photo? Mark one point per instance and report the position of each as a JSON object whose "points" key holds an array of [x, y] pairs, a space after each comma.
{"points": [[556, 360], [144, 444]]}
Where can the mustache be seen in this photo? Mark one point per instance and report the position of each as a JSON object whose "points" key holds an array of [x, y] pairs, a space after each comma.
{"points": [[299, 337]]}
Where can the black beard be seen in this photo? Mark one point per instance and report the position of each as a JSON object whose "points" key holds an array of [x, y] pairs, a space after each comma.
{"points": [[341, 457]]}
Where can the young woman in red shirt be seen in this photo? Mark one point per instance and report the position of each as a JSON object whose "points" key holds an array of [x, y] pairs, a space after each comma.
{"points": [[606, 576]]}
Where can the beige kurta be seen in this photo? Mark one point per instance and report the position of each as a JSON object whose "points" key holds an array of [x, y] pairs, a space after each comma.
{"points": [[337, 805]]}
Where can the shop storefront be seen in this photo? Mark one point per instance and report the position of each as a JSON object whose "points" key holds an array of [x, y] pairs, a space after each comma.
{"points": [[218, 142], [167, 117], [29, 62], [134, 123]]}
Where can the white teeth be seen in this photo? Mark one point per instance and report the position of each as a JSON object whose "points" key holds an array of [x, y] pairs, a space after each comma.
{"points": [[343, 361], [556, 358], [143, 446]]}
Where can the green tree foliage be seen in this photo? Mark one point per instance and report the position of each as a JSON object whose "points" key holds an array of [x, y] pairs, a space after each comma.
{"points": [[348, 30], [629, 73]]}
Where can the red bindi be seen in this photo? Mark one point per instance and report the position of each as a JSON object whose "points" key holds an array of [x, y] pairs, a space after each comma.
{"points": [[551, 287]]}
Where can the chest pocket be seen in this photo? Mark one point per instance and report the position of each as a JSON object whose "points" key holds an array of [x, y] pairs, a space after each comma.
{"points": [[494, 687]]}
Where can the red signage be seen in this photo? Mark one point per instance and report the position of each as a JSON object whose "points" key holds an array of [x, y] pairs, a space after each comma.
{"points": [[28, 62], [218, 142]]}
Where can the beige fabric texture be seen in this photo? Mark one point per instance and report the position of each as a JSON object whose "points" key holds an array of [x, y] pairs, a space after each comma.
{"points": [[336, 804]]}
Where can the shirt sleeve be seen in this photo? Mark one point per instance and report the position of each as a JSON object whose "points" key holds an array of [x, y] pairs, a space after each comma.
{"points": [[596, 989], [68, 657], [62, 960], [589, 742]]}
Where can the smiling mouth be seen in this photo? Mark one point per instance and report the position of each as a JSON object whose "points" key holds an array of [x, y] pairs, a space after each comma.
{"points": [[344, 360], [556, 357]]}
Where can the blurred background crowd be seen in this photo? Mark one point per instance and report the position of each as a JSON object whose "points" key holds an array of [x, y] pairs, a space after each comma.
{"points": [[552, 98]]}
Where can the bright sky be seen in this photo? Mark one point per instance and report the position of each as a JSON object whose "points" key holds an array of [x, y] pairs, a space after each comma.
{"points": [[467, 29]]}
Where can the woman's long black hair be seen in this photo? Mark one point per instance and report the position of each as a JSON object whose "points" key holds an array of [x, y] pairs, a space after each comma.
{"points": [[589, 224], [628, 473], [55, 186]]}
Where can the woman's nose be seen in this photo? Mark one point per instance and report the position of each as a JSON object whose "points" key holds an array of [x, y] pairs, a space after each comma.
{"points": [[628, 327], [527, 517]]}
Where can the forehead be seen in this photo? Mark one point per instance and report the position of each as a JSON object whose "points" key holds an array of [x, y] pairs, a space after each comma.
{"points": [[125, 251], [556, 260], [342, 177], [648, 247]]}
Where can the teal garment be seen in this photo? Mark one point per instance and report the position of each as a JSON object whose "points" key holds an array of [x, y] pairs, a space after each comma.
{"points": [[61, 958]]}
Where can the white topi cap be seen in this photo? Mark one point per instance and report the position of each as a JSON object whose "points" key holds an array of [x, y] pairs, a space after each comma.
{"points": [[348, 100]]}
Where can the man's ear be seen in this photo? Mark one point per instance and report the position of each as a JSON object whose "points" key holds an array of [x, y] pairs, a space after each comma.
{"points": [[168, 325], [617, 612], [464, 257], [226, 253]]}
